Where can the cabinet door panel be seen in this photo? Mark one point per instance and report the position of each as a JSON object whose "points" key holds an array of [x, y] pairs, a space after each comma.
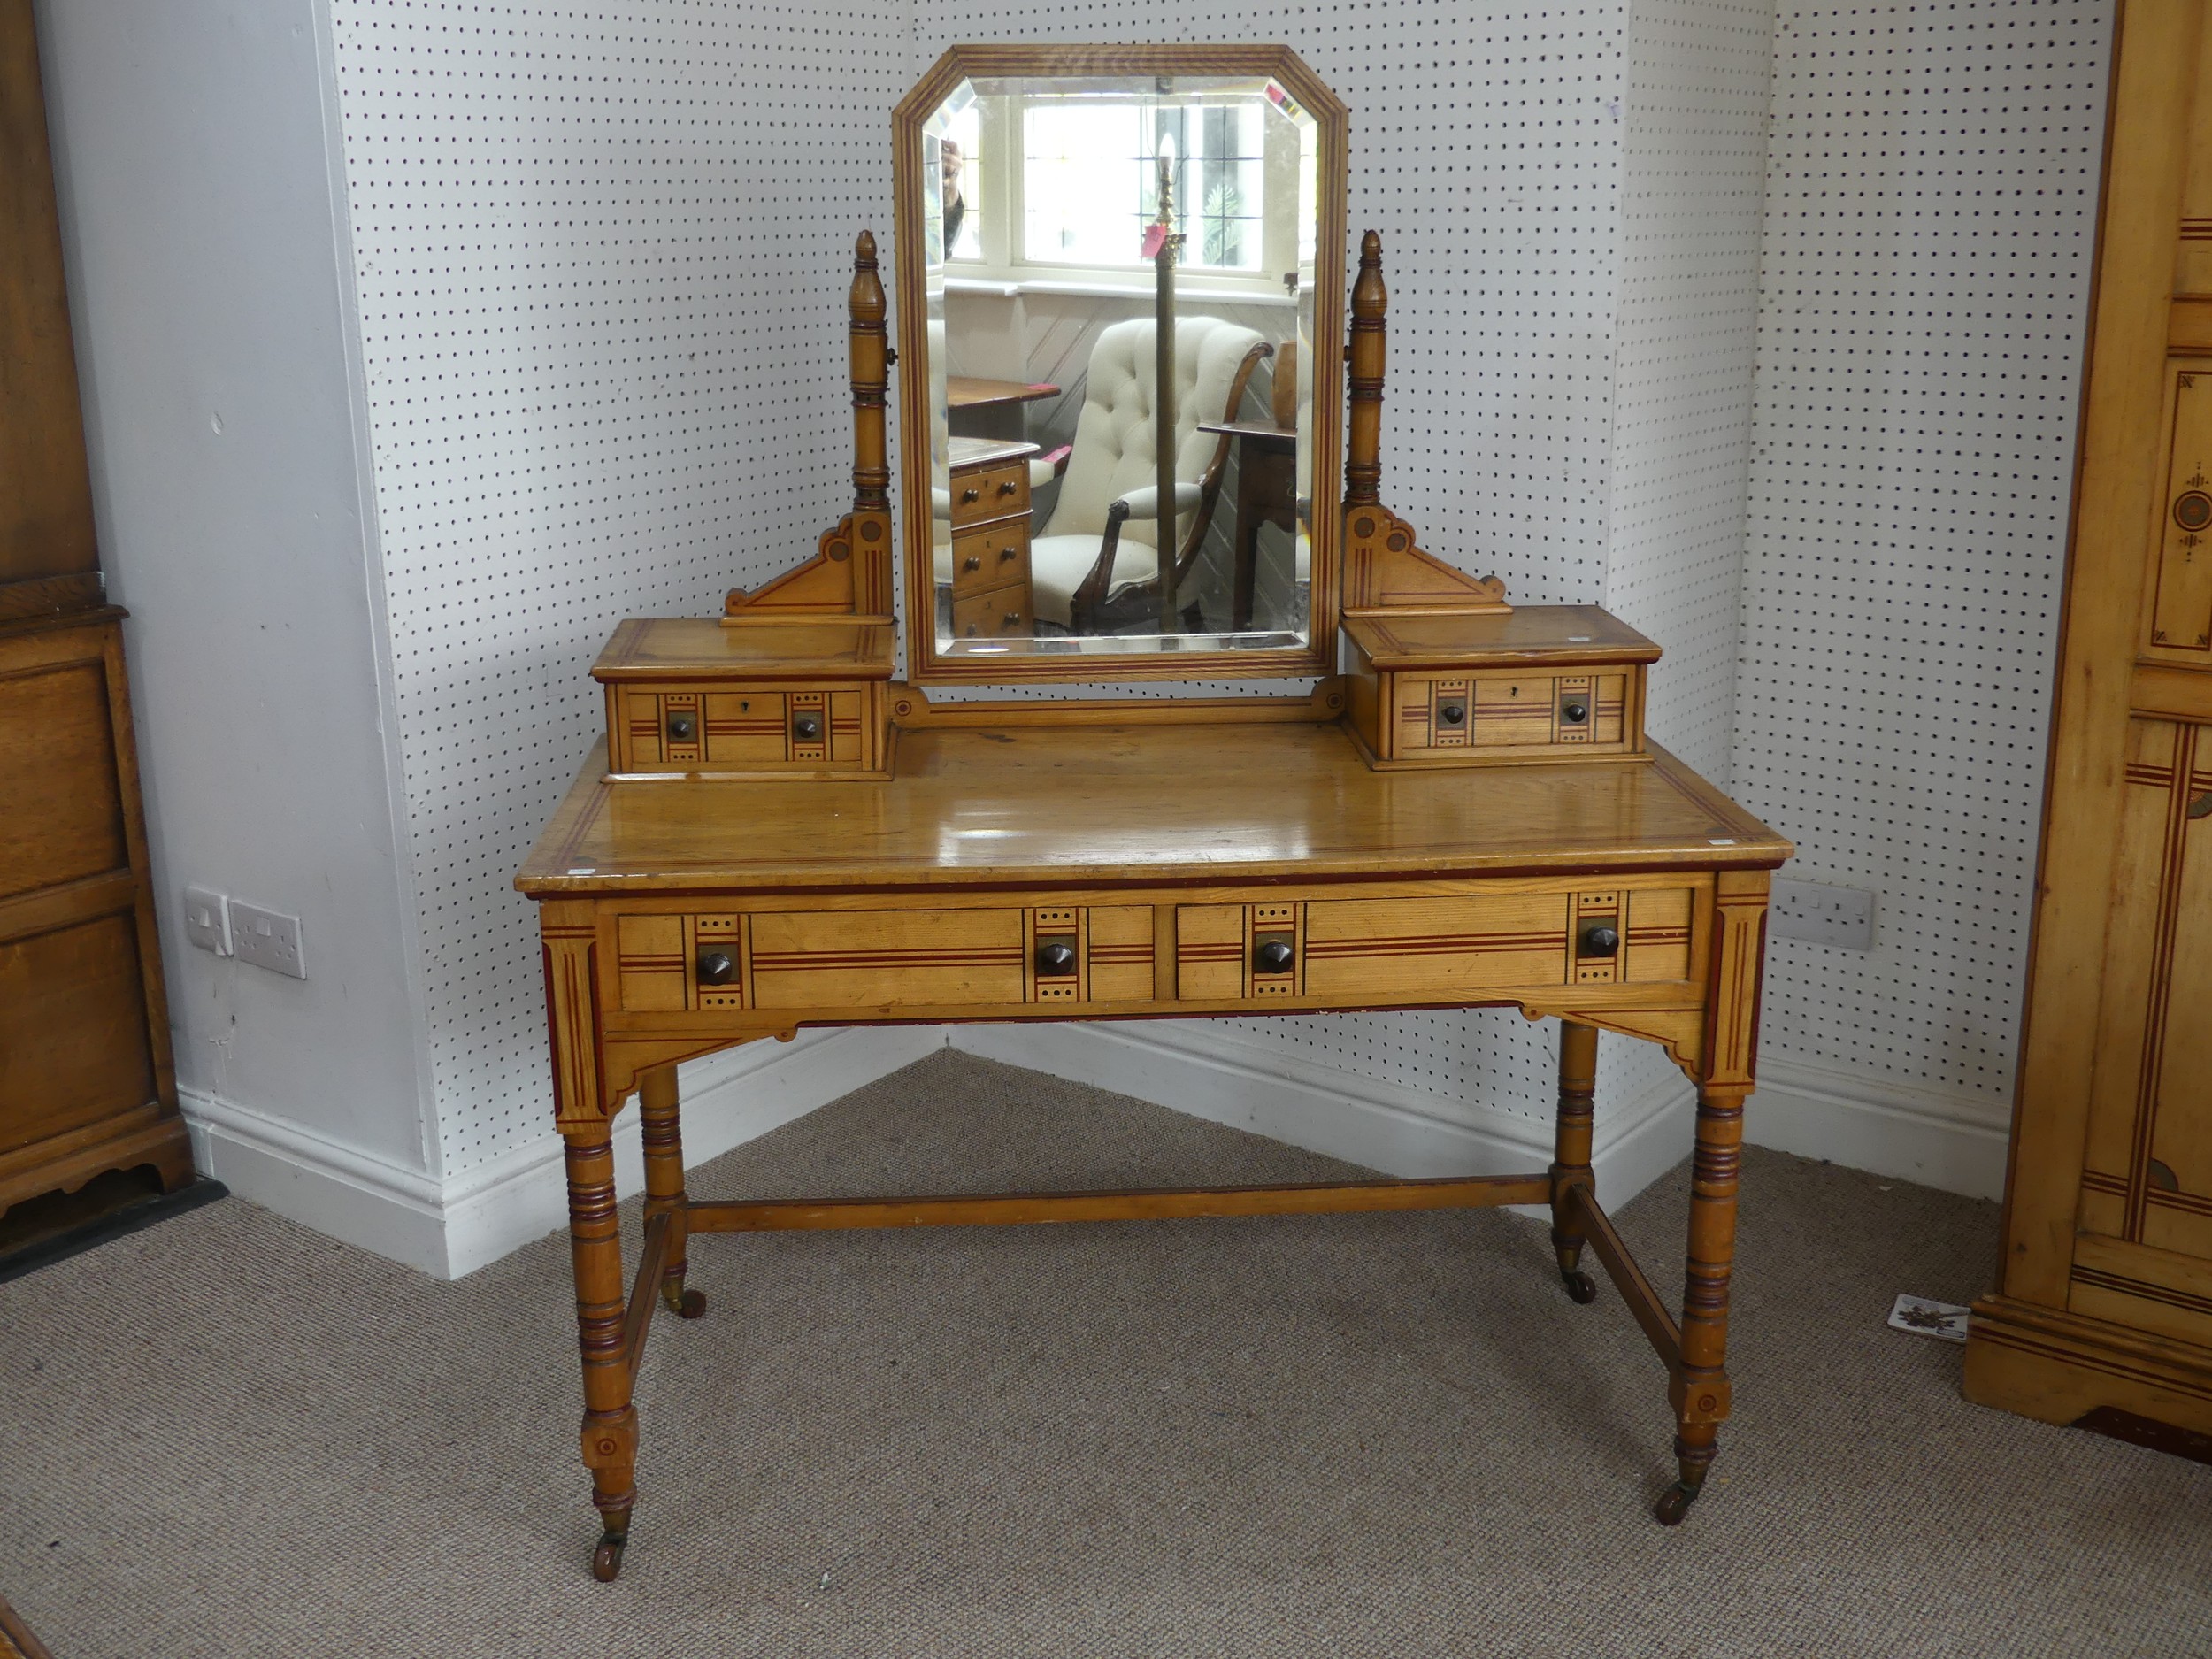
{"points": [[2148, 1178], [72, 1030], [64, 818]]}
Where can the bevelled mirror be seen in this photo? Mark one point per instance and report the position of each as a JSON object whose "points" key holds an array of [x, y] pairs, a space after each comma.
{"points": [[1079, 227]]}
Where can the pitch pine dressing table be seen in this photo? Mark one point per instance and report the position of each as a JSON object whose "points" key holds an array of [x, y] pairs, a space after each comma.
{"points": [[1461, 811]]}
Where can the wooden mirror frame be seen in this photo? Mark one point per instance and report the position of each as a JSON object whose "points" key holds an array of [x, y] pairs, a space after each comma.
{"points": [[1331, 120]]}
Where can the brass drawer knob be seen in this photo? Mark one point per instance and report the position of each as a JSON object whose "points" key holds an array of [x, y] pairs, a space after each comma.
{"points": [[682, 727], [806, 729], [1055, 959], [1600, 939], [1273, 956], [1574, 712], [716, 967]]}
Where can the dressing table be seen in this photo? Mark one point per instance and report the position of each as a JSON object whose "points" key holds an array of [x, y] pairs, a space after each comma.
{"points": [[1456, 806]]}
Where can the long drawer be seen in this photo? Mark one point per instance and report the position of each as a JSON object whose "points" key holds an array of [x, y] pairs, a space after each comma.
{"points": [[814, 963]]}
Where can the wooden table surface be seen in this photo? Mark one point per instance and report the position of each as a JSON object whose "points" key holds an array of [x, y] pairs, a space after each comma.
{"points": [[1017, 803], [970, 391]]}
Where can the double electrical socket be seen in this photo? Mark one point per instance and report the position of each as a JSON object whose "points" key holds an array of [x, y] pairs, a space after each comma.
{"points": [[1821, 915], [232, 928]]}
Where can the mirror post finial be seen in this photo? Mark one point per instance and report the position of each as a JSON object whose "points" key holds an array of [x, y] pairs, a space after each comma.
{"points": [[1363, 472], [868, 349]]}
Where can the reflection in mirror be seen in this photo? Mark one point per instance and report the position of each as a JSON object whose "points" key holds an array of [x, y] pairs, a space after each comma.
{"points": [[1088, 242]]}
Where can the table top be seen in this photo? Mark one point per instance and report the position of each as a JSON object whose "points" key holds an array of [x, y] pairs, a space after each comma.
{"points": [[985, 801], [1527, 637], [963, 453], [1266, 431], [969, 391], [711, 648]]}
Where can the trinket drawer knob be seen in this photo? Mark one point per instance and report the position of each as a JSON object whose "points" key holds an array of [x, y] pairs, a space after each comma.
{"points": [[1055, 959], [1600, 939], [716, 967], [807, 728], [1273, 956]]}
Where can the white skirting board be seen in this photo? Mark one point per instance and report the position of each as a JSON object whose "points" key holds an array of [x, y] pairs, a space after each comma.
{"points": [[449, 1229], [1953, 1141], [1226, 1079], [452, 1228]]}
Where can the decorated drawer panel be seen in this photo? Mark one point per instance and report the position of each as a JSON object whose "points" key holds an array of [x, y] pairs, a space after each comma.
{"points": [[1441, 714], [678, 728], [809, 961], [1340, 949], [992, 494], [812, 963]]}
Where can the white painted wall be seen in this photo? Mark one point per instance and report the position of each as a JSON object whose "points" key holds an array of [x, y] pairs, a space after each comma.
{"points": [[212, 326], [1930, 217]]}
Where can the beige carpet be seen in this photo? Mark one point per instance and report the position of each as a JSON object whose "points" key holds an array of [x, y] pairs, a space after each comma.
{"points": [[1387, 1435]]}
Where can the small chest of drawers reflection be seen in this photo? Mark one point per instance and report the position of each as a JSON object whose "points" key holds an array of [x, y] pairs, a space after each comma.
{"points": [[990, 538]]}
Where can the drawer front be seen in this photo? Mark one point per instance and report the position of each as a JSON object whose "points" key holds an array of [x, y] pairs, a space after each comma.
{"points": [[995, 557], [816, 964], [995, 493], [1344, 950], [805, 960], [683, 729], [812, 962], [1002, 613], [1440, 715]]}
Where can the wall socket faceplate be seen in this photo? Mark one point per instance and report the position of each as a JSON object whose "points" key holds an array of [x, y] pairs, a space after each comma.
{"points": [[1821, 915], [267, 939]]}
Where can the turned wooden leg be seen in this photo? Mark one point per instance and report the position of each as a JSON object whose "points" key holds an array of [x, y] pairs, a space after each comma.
{"points": [[1700, 1389], [1571, 1161], [658, 1108], [595, 1235]]}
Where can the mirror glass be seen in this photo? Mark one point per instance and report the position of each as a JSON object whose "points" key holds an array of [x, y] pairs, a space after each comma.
{"points": [[1086, 239]]}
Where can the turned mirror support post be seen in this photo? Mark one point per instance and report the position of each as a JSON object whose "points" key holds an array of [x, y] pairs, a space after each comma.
{"points": [[1363, 470], [869, 350], [1384, 571], [849, 574]]}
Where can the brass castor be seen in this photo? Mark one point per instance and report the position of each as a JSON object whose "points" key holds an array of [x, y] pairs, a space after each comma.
{"points": [[1674, 1503], [1580, 1286], [689, 1304], [606, 1561]]}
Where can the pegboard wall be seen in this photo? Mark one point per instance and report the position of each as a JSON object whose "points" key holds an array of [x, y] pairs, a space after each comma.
{"points": [[1694, 175], [1930, 222], [1692, 183], [601, 249]]}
